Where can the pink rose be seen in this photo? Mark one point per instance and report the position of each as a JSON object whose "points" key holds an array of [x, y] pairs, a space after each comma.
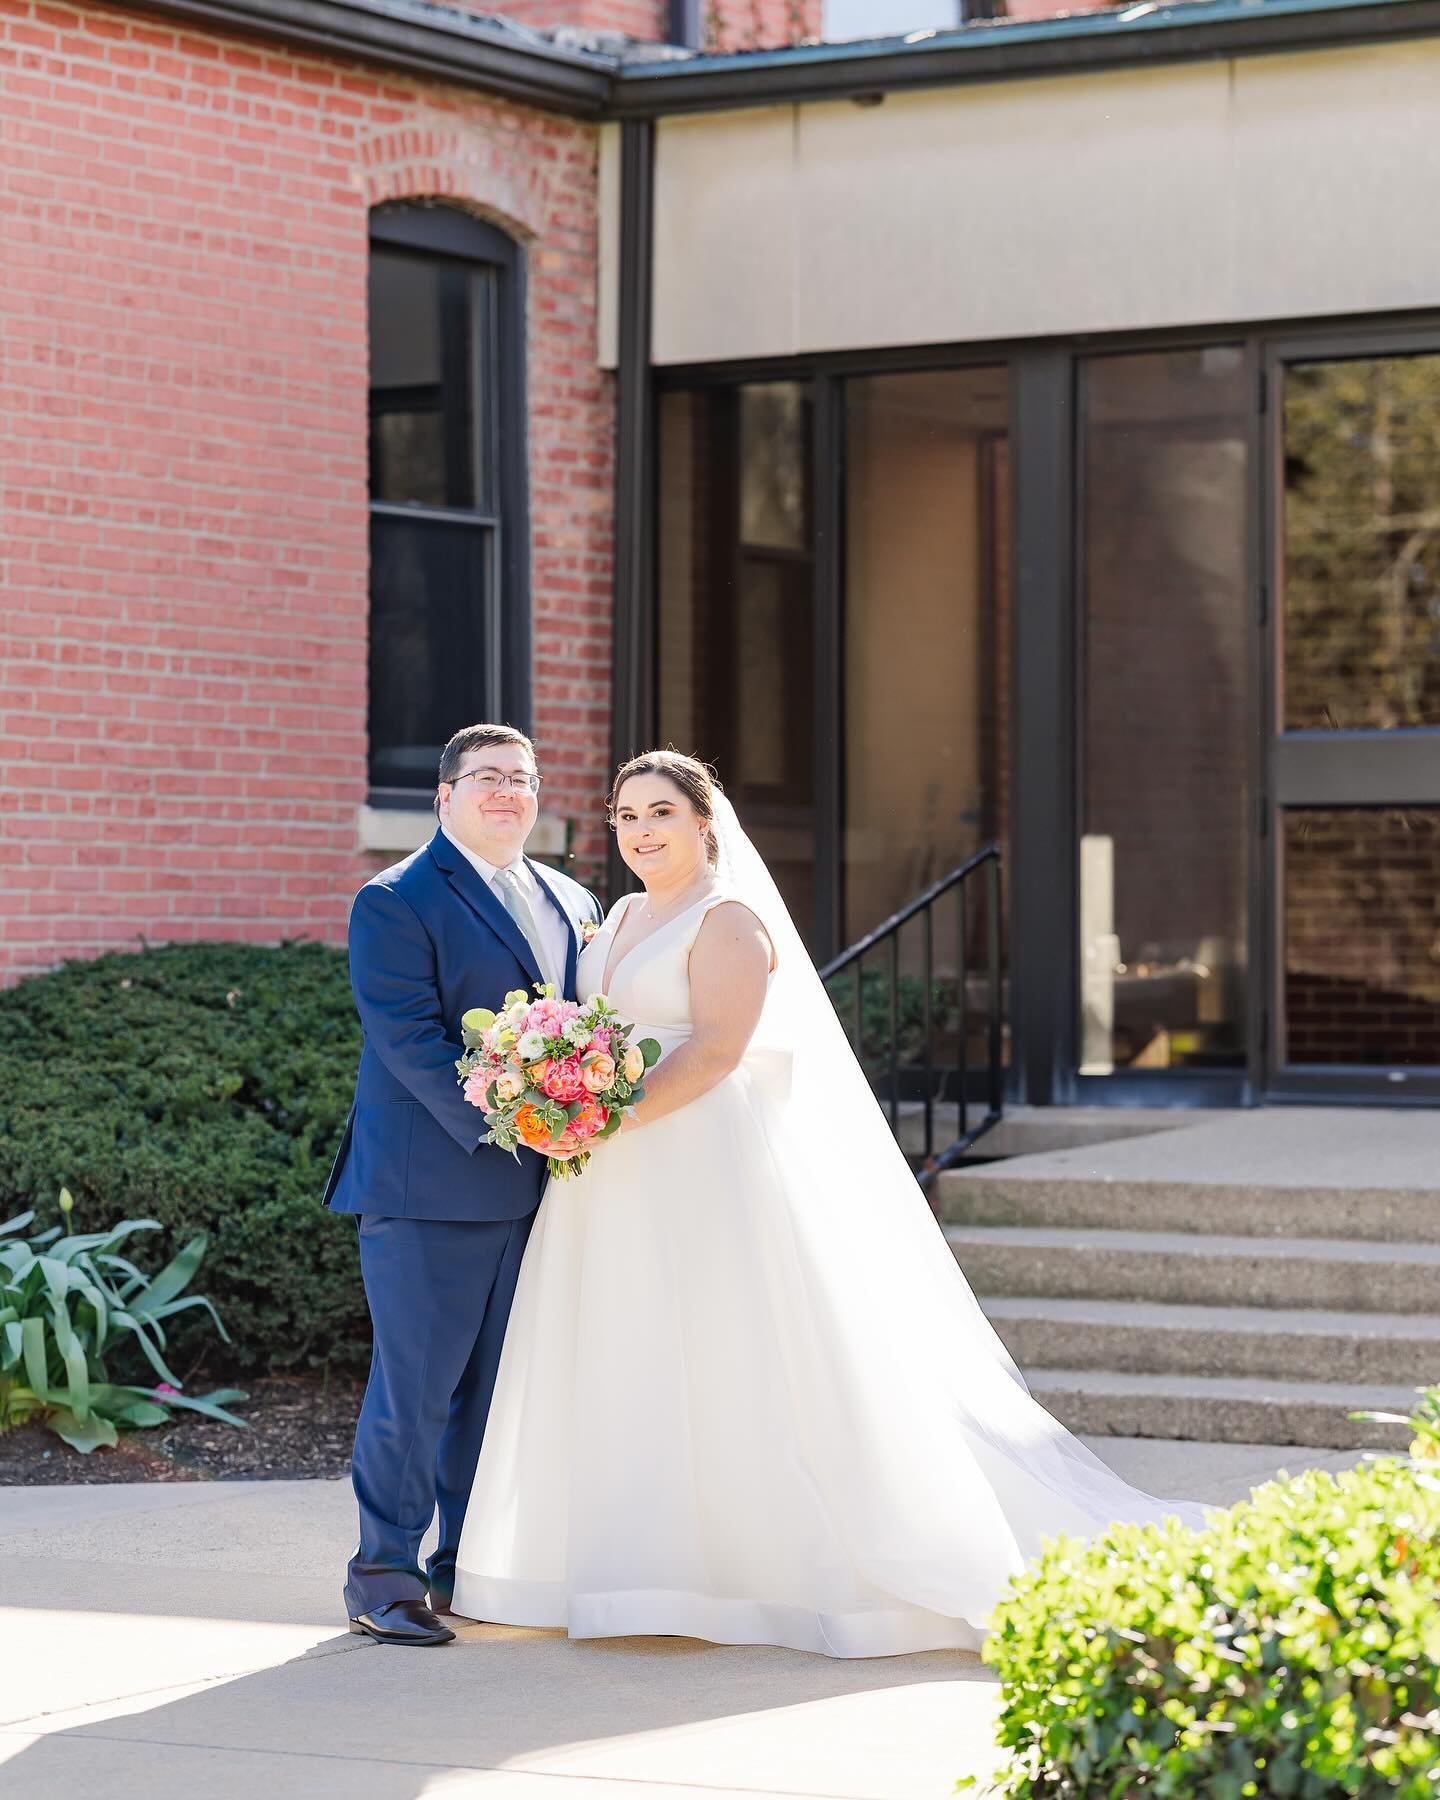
{"points": [[634, 1065], [564, 1082], [592, 1117], [597, 1070], [477, 1084]]}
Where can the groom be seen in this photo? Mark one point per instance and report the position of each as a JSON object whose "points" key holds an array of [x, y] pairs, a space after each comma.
{"points": [[443, 1219]]}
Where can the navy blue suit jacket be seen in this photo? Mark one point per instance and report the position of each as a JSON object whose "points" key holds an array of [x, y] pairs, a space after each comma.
{"points": [[429, 939]]}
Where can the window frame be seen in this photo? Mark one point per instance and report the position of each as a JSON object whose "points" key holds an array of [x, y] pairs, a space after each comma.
{"points": [[439, 231]]}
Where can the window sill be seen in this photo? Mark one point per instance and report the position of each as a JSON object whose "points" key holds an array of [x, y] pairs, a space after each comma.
{"points": [[397, 830]]}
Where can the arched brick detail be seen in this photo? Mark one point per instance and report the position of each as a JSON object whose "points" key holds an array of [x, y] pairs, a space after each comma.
{"points": [[491, 172]]}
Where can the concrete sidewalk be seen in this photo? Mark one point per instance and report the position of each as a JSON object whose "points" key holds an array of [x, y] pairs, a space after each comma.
{"points": [[167, 1641]]}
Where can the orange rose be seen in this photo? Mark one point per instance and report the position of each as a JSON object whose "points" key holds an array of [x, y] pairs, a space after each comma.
{"points": [[531, 1127]]}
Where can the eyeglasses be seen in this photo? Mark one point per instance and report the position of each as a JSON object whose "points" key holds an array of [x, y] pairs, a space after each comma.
{"points": [[494, 781]]}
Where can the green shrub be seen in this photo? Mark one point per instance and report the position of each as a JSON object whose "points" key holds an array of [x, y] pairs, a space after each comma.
{"points": [[71, 1303], [204, 1086], [909, 1013], [1288, 1649]]}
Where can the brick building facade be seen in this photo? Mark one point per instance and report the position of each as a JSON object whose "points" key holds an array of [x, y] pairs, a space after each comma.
{"points": [[183, 398], [1094, 549]]}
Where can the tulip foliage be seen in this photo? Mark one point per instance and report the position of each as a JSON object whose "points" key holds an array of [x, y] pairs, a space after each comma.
{"points": [[69, 1304]]}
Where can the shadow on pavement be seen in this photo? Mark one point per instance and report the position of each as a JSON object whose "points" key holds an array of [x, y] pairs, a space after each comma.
{"points": [[385, 1724]]}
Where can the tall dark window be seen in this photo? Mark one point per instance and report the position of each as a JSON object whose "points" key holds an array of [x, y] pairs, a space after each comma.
{"points": [[449, 626]]}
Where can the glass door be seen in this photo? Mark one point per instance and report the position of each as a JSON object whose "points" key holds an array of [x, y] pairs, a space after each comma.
{"points": [[1354, 755], [1166, 636]]}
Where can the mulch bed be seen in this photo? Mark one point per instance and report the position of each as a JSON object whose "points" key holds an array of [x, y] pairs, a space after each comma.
{"points": [[300, 1427]]}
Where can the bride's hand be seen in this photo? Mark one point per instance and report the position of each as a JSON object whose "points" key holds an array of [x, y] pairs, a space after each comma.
{"points": [[561, 1148]]}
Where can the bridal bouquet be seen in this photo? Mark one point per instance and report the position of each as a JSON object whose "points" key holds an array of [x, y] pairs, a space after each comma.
{"points": [[541, 1067]]}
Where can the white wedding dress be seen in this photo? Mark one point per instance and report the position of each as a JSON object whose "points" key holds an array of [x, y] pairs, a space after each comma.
{"points": [[746, 1395]]}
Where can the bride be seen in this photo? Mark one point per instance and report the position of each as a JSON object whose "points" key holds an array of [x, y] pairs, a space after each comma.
{"points": [[746, 1395]]}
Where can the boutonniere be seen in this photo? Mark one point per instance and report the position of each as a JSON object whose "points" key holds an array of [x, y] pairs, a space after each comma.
{"points": [[589, 931]]}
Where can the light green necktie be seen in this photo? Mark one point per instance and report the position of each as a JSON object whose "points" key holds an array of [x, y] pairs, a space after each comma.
{"points": [[518, 908]]}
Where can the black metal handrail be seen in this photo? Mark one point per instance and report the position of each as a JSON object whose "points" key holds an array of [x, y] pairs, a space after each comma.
{"points": [[923, 908]]}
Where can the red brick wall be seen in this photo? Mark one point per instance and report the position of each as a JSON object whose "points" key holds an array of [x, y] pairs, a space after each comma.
{"points": [[645, 19], [759, 24], [728, 24], [183, 410]]}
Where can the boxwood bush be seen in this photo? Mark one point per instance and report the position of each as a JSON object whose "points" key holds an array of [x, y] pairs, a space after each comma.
{"points": [[1289, 1649], [204, 1086]]}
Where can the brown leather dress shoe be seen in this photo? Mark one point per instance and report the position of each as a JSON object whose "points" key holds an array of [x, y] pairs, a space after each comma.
{"points": [[402, 1622]]}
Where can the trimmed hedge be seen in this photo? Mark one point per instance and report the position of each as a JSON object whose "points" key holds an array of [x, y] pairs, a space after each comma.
{"points": [[206, 1086], [1290, 1648]]}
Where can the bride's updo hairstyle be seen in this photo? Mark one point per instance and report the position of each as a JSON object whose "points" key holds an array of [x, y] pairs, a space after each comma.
{"points": [[695, 781]]}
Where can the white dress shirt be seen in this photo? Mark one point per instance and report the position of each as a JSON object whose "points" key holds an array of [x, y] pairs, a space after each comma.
{"points": [[555, 938]]}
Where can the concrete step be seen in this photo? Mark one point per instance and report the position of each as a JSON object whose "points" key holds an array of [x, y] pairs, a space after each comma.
{"points": [[1102, 1403], [1285, 1343], [1191, 1269], [1000, 1194], [1033, 1130]]}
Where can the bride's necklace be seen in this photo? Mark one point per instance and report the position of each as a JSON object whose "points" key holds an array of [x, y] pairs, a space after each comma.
{"points": [[674, 910]]}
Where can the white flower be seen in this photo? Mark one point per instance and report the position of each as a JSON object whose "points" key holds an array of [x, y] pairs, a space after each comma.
{"points": [[516, 1013], [531, 1046], [577, 1033]]}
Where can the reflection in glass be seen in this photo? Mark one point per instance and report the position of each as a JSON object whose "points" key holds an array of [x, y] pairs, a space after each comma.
{"points": [[1361, 608], [1362, 936], [772, 466], [736, 610], [430, 325], [926, 587], [926, 677], [428, 655], [1162, 858]]}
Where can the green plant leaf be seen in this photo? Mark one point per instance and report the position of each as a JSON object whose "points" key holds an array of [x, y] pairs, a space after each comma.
{"points": [[18, 1223], [191, 1300], [36, 1356], [213, 1406], [174, 1278], [91, 1433], [93, 1294], [142, 1414], [150, 1351], [649, 1048], [56, 1276], [72, 1354]]}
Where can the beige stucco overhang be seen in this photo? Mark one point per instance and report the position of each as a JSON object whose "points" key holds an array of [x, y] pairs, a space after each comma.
{"points": [[1195, 193]]}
